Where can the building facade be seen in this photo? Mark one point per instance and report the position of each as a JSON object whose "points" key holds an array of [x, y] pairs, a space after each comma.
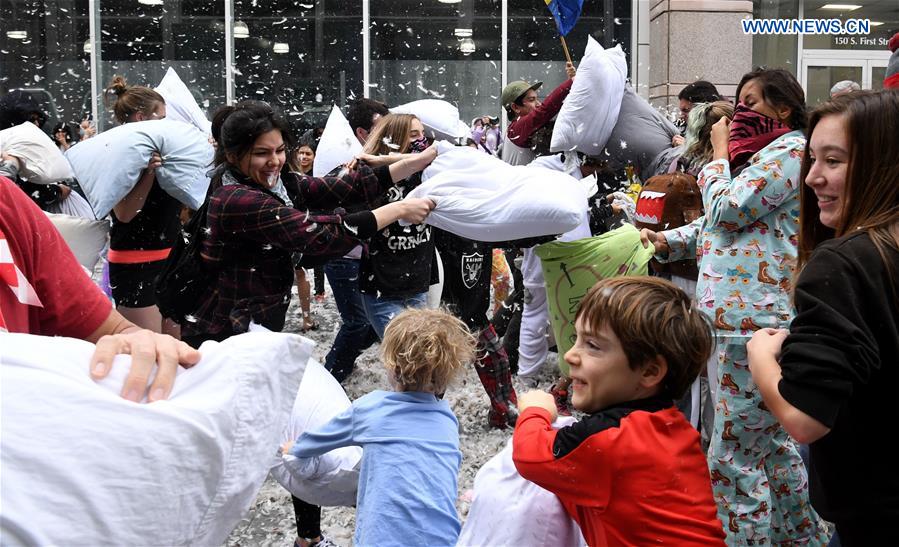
{"points": [[304, 55]]}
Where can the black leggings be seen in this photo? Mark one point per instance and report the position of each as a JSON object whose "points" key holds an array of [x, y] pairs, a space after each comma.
{"points": [[318, 275], [308, 517]]}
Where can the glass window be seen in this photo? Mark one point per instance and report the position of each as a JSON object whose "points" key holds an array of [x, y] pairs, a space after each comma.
{"points": [[878, 74], [884, 17], [300, 56], [776, 51], [42, 51], [535, 50], [141, 40], [436, 50], [822, 78]]}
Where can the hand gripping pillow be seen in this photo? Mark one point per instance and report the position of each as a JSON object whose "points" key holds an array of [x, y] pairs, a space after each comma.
{"points": [[41, 160], [180, 104], [440, 118], [337, 146], [330, 479], [590, 110], [109, 165], [82, 466], [480, 197]]}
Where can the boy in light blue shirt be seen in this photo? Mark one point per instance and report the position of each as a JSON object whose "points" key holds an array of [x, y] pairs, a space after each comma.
{"points": [[410, 437]]}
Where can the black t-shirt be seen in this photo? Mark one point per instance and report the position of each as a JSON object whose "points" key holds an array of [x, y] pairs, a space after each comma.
{"points": [[467, 266], [155, 227], [397, 261], [841, 366]]}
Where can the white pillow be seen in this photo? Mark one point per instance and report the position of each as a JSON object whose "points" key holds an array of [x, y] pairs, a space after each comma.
{"points": [[440, 118], [74, 206], [85, 237], [590, 110], [480, 197], [82, 466], [508, 509], [108, 166], [180, 104], [337, 146], [330, 479], [41, 160]]}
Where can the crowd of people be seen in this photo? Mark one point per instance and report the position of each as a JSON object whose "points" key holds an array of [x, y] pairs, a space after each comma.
{"points": [[782, 316]]}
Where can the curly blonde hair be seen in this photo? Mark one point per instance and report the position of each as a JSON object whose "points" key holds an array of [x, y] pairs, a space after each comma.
{"points": [[423, 349]]}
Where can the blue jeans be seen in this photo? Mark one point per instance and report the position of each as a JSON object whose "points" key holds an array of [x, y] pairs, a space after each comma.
{"points": [[381, 310], [355, 334]]}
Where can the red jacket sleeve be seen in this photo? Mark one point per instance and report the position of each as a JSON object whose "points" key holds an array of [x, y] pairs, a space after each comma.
{"points": [[521, 129], [70, 303], [582, 476]]}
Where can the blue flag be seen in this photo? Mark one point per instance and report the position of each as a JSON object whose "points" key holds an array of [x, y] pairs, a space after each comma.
{"points": [[565, 12]]}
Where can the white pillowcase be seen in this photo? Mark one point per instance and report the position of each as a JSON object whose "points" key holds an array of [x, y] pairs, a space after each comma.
{"points": [[109, 165], [590, 110], [180, 104], [40, 158], [82, 466], [332, 478], [480, 197], [508, 509], [337, 146], [85, 237], [74, 206], [440, 118]]}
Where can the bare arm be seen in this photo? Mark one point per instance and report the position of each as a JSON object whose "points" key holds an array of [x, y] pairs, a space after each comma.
{"points": [[401, 166], [413, 210], [131, 205], [763, 350]]}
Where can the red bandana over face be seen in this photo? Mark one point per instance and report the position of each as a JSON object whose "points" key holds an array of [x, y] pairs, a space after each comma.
{"points": [[749, 133]]}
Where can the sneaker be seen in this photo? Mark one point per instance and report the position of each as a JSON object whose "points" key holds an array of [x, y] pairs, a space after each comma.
{"points": [[325, 541], [502, 420], [320, 298], [563, 406]]}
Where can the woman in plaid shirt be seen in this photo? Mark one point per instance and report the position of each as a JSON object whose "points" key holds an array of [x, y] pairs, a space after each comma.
{"points": [[257, 220]]}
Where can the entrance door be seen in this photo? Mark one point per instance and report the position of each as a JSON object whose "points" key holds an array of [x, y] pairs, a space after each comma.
{"points": [[821, 69]]}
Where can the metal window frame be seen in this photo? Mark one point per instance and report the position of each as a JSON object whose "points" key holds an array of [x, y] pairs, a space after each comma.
{"points": [[93, 15], [95, 59]]}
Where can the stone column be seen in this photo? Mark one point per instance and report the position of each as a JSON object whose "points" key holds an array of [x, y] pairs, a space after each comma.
{"points": [[697, 40]]}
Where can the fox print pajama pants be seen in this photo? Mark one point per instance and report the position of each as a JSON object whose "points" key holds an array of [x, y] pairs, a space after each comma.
{"points": [[759, 481]]}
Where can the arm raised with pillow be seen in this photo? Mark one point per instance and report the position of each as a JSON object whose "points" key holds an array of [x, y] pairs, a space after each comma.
{"points": [[133, 202]]}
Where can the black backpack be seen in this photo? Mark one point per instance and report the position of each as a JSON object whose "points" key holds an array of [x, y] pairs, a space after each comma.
{"points": [[185, 276]]}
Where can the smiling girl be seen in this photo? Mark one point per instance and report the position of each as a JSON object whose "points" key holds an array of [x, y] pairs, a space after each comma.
{"points": [[835, 385], [256, 221]]}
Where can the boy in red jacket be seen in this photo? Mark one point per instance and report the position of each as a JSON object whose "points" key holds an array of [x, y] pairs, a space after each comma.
{"points": [[631, 472]]}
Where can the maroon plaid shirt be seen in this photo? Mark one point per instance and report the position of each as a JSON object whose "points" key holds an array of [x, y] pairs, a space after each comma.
{"points": [[252, 238]]}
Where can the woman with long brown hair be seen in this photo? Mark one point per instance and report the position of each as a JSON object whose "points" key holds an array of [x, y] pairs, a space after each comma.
{"points": [[835, 384], [256, 220], [395, 271]]}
